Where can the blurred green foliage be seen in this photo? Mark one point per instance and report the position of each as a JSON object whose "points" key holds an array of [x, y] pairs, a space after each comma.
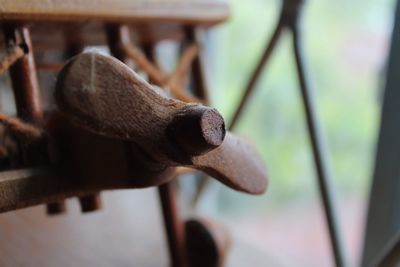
{"points": [[345, 43]]}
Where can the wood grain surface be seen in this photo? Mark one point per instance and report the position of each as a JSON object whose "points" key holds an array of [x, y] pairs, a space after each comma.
{"points": [[206, 12], [103, 95]]}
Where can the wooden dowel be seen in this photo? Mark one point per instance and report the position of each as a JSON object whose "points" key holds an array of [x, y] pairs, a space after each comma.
{"points": [[175, 82], [144, 64], [15, 53], [174, 226], [20, 127]]}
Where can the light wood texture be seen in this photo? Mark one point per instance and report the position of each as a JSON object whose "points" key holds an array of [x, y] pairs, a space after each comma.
{"points": [[179, 11], [103, 95], [14, 53]]}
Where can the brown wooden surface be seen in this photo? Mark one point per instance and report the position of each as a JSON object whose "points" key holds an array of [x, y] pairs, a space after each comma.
{"points": [[103, 95], [180, 11], [106, 97]]}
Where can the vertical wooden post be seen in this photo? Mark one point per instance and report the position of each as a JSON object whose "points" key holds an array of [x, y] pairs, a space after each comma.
{"points": [[74, 44], [117, 36], [23, 77], [174, 226], [27, 98]]}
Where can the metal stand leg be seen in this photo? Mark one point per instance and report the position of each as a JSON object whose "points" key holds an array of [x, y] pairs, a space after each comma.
{"points": [[289, 20], [319, 154], [256, 74]]}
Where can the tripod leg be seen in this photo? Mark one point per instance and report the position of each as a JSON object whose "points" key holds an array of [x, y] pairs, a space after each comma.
{"points": [[256, 74], [319, 154]]}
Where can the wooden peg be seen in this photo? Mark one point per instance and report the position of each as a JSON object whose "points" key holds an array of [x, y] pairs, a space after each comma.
{"points": [[56, 208], [104, 96], [91, 202], [198, 130], [207, 243]]}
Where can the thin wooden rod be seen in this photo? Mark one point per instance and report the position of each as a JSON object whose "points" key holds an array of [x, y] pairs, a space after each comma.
{"points": [[173, 223], [188, 55], [49, 67], [319, 154], [144, 64], [157, 77], [18, 126], [118, 36], [175, 83], [23, 76], [174, 226], [15, 53], [198, 74], [75, 44], [27, 95]]}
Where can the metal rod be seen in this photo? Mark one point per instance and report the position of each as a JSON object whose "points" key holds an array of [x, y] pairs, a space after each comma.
{"points": [[205, 183], [174, 226], [383, 219], [389, 256], [256, 74], [319, 154]]}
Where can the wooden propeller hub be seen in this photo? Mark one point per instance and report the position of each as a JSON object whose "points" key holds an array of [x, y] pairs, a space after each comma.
{"points": [[104, 96]]}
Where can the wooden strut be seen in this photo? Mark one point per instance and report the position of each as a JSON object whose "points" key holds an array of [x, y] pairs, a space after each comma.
{"points": [[169, 201], [289, 17], [200, 90], [205, 243], [74, 45], [15, 52], [174, 82], [118, 36], [17, 126]]}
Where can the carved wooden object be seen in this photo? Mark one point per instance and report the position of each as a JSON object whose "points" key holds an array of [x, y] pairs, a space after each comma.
{"points": [[103, 95], [110, 128]]}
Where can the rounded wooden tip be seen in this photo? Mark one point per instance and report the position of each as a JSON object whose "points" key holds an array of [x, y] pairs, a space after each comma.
{"points": [[212, 128], [197, 130]]}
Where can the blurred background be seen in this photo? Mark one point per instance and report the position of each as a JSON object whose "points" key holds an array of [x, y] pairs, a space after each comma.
{"points": [[346, 44]]}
